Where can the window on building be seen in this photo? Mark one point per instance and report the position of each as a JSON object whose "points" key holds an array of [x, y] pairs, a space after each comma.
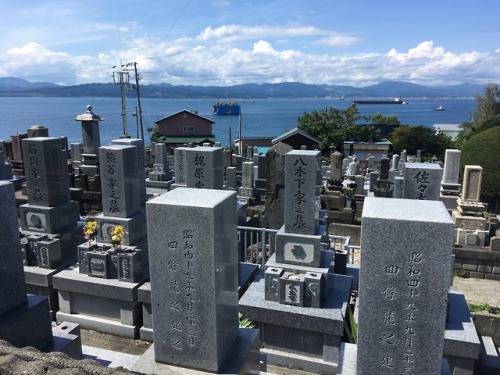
{"points": [[188, 129]]}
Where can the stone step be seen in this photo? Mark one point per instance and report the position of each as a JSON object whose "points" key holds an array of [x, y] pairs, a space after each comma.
{"points": [[489, 357]]}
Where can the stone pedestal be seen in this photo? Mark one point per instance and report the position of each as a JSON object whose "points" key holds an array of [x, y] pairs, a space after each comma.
{"points": [[304, 338], [104, 305]]}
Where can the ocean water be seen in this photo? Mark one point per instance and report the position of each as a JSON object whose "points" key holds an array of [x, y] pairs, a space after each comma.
{"points": [[262, 117]]}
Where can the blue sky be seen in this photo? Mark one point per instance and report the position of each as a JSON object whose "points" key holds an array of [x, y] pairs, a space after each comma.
{"points": [[228, 42]]}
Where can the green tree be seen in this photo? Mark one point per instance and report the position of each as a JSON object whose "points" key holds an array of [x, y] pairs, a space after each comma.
{"points": [[334, 126], [423, 138], [155, 134], [484, 149], [487, 108], [378, 119]]}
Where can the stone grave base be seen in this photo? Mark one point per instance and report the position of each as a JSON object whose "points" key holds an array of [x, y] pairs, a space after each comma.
{"points": [[243, 359], [347, 362], [104, 305], [39, 282], [450, 202], [158, 187], [30, 325], [304, 338]]}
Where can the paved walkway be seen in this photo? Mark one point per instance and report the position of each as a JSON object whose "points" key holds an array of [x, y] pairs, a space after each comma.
{"points": [[479, 290]]}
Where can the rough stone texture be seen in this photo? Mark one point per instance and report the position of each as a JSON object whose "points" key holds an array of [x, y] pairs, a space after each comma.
{"points": [[45, 163], [13, 290], [275, 185], [471, 188], [194, 276], [119, 180], [180, 165], [301, 194], [404, 279], [422, 181], [205, 167], [451, 166], [139, 143]]}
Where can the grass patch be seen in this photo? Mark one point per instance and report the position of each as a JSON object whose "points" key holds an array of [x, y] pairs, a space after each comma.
{"points": [[483, 307], [461, 273]]}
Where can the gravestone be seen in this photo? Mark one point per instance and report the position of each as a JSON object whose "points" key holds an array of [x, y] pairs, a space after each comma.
{"points": [[450, 187], [231, 180], [180, 167], [121, 200], [91, 141], [422, 181], [247, 189], [49, 209], [194, 277], [141, 177], [471, 225], [293, 299], [383, 188], [275, 185], [404, 279], [205, 168], [25, 318]]}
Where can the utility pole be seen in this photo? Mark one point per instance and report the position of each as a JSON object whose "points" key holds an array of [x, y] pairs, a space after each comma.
{"points": [[138, 99], [122, 78]]}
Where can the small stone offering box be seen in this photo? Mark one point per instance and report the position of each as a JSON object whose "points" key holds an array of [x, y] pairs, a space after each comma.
{"points": [[404, 280]]}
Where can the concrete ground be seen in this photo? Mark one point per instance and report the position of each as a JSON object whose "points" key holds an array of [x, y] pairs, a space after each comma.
{"points": [[479, 290]]}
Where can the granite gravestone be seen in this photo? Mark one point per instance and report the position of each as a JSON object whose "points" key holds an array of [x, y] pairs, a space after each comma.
{"points": [[141, 177], [24, 320], [275, 185], [205, 167], [422, 181], [180, 166], [121, 198], [451, 171], [194, 276], [49, 209], [471, 190], [404, 279], [298, 240]]}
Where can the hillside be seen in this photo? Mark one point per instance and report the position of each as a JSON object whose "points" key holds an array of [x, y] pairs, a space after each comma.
{"points": [[389, 89]]}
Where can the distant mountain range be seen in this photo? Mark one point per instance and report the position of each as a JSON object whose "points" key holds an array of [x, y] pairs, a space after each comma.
{"points": [[12, 86]]}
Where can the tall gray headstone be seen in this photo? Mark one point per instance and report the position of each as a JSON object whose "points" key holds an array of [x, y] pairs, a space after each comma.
{"points": [[119, 182], [205, 167], [180, 165], [275, 185], [336, 166], [247, 175], [404, 279], [301, 200], [17, 148], [471, 190], [451, 166], [141, 172], [13, 290], [422, 181], [194, 276], [45, 164]]}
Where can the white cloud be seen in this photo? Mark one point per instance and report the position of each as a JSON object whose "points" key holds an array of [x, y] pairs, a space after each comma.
{"points": [[220, 57]]}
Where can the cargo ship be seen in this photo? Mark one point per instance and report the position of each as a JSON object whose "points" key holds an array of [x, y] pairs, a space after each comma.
{"points": [[226, 108], [393, 101]]}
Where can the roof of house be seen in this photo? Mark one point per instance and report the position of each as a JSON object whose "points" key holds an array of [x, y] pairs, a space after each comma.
{"points": [[184, 110], [182, 140], [294, 131]]}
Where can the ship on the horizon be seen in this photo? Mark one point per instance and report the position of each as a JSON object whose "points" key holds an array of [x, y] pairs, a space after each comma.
{"points": [[226, 108], [398, 100]]}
